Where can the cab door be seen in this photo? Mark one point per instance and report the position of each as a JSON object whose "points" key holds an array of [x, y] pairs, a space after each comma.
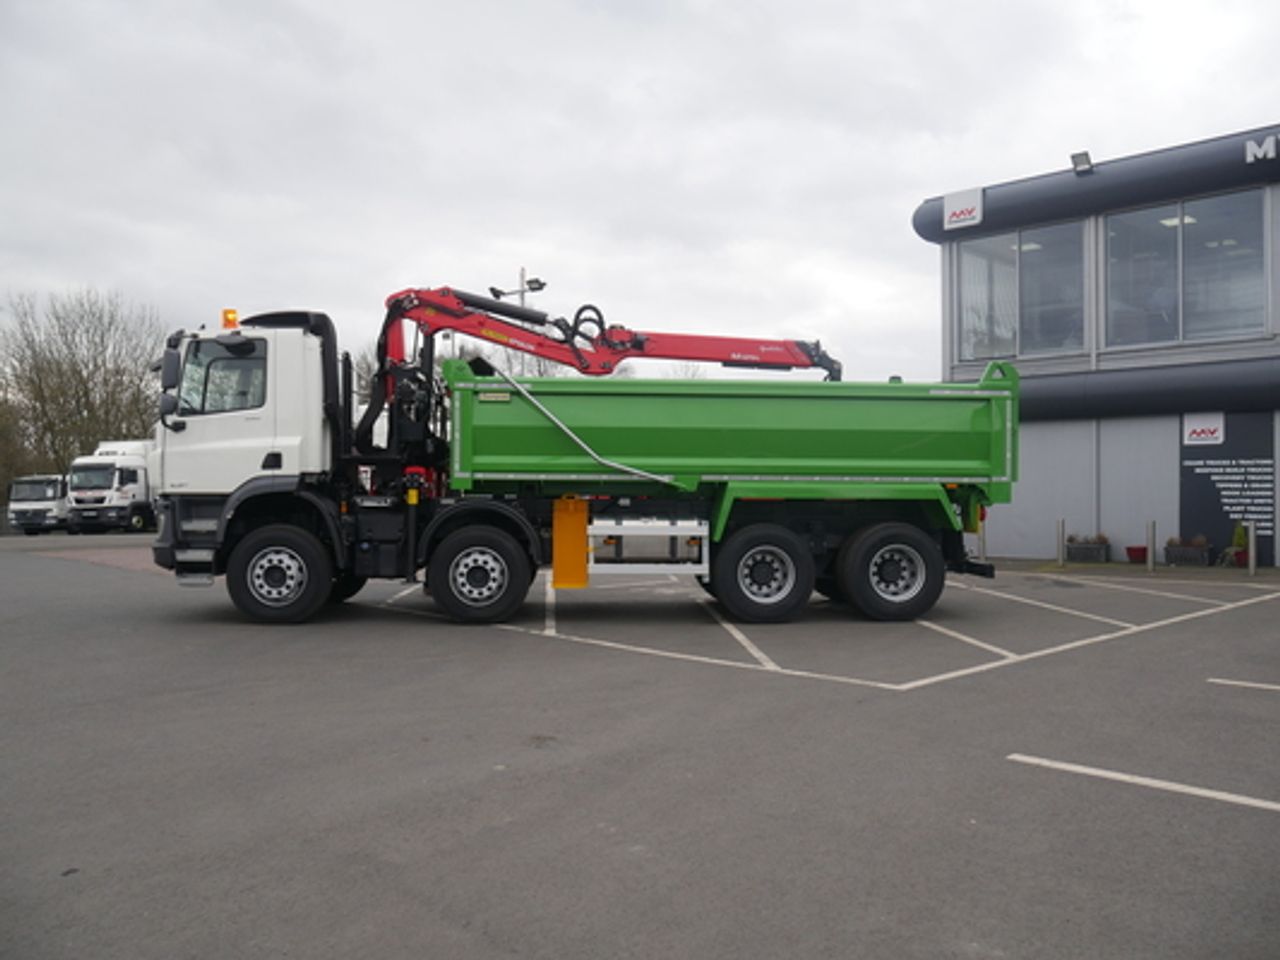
{"points": [[225, 422]]}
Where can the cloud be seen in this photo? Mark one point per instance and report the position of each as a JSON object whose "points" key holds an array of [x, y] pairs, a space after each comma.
{"points": [[700, 166]]}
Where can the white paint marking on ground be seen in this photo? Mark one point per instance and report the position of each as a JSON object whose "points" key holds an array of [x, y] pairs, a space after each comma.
{"points": [[1112, 585], [414, 611], [402, 594], [1252, 685], [696, 658], [964, 638], [1087, 641], [1052, 606], [761, 657], [1166, 785], [613, 584], [549, 624]]}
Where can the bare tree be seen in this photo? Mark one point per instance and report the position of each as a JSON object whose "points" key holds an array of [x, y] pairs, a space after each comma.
{"points": [[78, 372]]}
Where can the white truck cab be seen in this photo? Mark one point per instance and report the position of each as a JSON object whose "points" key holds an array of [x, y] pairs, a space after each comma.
{"points": [[38, 503], [110, 488]]}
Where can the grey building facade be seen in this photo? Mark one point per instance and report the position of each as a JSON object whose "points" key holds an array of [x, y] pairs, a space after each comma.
{"points": [[1140, 300]]}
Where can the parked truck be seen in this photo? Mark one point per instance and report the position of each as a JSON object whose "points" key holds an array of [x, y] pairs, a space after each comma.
{"points": [[38, 503], [763, 490], [111, 488]]}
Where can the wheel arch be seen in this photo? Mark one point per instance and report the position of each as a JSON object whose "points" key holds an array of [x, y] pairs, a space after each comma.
{"points": [[264, 500], [504, 516]]}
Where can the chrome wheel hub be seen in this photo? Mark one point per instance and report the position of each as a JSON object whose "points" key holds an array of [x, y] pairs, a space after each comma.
{"points": [[897, 572], [766, 574], [478, 576], [277, 576]]}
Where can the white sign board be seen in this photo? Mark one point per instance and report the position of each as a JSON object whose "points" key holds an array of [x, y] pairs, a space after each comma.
{"points": [[962, 209], [1203, 429]]}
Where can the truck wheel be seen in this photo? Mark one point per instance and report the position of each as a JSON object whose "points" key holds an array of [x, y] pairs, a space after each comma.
{"points": [[137, 522], [763, 574], [479, 575], [279, 574], [345, 586], [891, 571]]}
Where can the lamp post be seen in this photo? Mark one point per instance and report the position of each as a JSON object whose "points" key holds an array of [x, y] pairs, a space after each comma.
{"points": [[527, 284]]}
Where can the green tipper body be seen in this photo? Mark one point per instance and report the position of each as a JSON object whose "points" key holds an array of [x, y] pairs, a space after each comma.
{"points": [[954, 444]]}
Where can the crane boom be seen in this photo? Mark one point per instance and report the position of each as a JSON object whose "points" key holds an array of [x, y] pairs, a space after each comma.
{"points": [[587, 343]]}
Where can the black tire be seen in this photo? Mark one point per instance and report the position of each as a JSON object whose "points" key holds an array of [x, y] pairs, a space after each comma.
{"points": [[479, 575], [31, 533], [891, 571], [279, 574], [137, 522], [345, 586], [763, 574]]}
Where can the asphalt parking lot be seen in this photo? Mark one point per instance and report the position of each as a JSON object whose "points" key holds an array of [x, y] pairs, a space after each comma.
{"points": [[1057, 763]]}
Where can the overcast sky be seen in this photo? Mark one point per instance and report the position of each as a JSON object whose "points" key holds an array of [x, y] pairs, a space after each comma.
{"points": [[710, 167]]}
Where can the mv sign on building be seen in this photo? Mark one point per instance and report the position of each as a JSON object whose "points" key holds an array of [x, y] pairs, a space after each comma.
{"points": [[1140, 299]]}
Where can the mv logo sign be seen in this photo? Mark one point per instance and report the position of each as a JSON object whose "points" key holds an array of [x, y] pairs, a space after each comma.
{"points": [[1203, 429], [1255, 151], [962, 209]]}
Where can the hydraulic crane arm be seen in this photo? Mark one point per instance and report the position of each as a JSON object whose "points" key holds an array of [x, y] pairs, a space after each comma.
{"points": [[587, 343]]}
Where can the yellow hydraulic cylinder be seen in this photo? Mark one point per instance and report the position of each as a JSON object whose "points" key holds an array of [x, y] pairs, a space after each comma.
{"points": [[569, 543]]}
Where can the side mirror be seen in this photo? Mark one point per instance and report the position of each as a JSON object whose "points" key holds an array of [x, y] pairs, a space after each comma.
{"points": [[168, 407], [170, 369]]}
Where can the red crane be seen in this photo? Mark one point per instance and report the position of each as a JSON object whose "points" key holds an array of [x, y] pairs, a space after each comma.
{"points": [[587, 343]]}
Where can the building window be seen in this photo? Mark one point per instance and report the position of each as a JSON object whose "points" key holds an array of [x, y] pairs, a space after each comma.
{"points": [[1022, 293], [1223, 281], [1186, 271], [1051, 289], [988, 297], [1142, 276]]}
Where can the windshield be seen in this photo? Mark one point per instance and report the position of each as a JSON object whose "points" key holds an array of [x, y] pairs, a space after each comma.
{"points": [[92, 478], [33, 490]]}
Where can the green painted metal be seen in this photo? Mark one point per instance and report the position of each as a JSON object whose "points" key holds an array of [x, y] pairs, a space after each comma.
{"points": [[799, 439], [934, 497]]}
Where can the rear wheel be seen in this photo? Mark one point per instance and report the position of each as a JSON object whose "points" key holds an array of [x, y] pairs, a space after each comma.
{"points": [[279, 574], [763, 574], [892, 571], [479, 575]]}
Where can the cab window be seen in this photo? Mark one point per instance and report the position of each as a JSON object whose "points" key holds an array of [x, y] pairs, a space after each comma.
{"points": [[216, 379]]}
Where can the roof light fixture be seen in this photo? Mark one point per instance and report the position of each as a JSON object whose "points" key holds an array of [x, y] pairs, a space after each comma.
{"points": [[1081, 163]]}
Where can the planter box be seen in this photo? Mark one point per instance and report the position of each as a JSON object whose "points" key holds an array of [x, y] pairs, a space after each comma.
{"points": [[1088, 552], [1187, 556], [1136, 554]]}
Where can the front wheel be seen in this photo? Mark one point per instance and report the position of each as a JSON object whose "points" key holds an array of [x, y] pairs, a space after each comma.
{"points": [[137, 522], [891, 571], [479, 575], [279, 574], [763, 574]]}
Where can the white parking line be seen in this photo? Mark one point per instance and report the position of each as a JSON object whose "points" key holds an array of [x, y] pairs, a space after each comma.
{"points": [[1166, 785], [957, 635], [1051, 606], [1087, 641], [549, 622], [402, 594], [1112, 585], [761, 657], [1246, 683], [696, 658]]}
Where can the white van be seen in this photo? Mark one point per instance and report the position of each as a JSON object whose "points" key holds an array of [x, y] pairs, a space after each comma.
{"points": [[38, 503]]}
